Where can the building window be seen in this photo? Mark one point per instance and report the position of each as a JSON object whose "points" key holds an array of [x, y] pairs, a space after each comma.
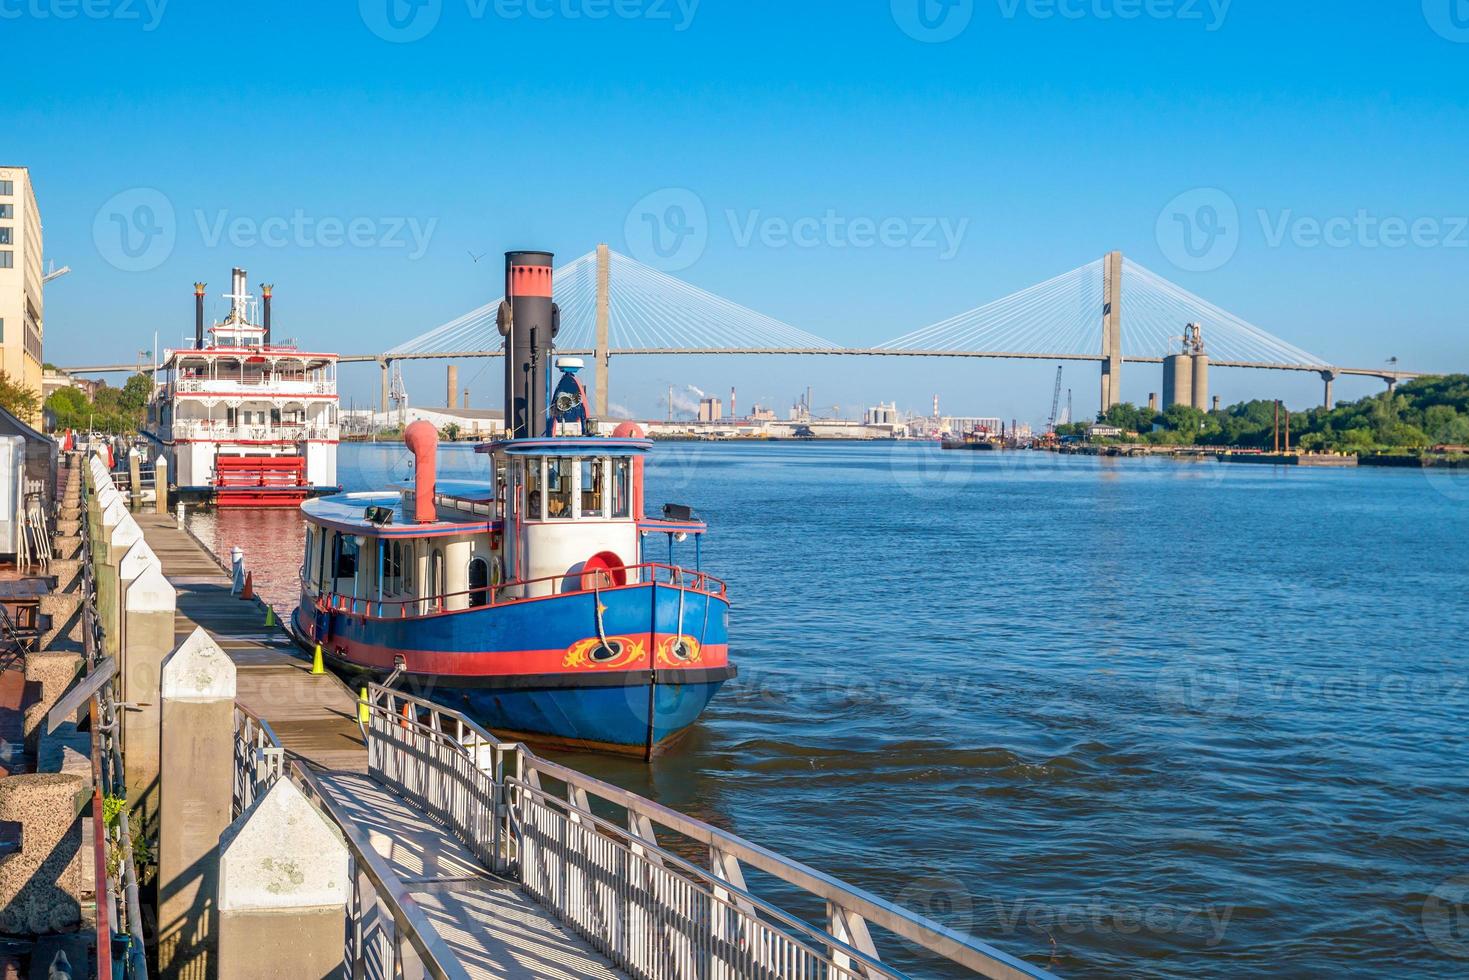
{"points": [[7, 259], [4, 235], [2, 330], [7, 187], [7, 210]]}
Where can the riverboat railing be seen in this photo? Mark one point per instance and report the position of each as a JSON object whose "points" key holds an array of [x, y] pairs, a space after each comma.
{"points": [[595, 580], [591, 854], [221, 431]]}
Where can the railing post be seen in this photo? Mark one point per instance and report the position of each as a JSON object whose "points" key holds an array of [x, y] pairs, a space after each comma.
{"points": [[160, 485], [197, 756], [283, 888]]}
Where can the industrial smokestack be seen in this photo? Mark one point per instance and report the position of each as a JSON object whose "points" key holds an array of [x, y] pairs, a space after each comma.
{"points": [[453, 385], [732, 413], [199, 315], [265, 290], [528, 322]]}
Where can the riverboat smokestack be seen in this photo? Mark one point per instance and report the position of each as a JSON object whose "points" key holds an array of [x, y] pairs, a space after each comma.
{"points": [[528, 321], [238, 289], [265, 290], [199, 315], [422, 439]]}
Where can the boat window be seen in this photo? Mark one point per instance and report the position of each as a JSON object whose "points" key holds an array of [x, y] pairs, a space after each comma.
{"points": [[593, 500], [393, 567], [558, 488], [621, 487], [347, 557], [531, 481]]}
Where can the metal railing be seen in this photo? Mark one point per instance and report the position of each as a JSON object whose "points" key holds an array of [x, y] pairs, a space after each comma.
{"points": [[649, 910], [383, 919], [592, 580], [117, 892], [223, 432], [285, 385]]}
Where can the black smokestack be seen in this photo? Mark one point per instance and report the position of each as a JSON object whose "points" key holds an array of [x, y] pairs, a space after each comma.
{"points": [[198, 316], [265, 289], [529, 341]]}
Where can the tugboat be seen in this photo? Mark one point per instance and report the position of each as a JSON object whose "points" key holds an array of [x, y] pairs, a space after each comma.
{"points": [[244, 420], [530, 601]]}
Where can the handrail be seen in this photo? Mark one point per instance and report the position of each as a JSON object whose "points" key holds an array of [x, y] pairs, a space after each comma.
{"points": [[643, 814], [678, 577], [438, 959]]}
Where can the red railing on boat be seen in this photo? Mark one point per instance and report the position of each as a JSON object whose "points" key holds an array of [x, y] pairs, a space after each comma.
{"points": [[658, 573]]}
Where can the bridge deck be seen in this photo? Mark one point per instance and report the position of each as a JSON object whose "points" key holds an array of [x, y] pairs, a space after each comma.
{"points": [[492, 927]]}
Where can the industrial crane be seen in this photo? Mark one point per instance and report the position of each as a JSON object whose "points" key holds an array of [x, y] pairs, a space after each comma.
{"points": [[1055, 404]]}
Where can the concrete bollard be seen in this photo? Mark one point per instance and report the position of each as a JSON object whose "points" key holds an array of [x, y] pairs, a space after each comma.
{"points": [[160, 486], [197, 756], [148, 631], [283, 880], [122, 537]]}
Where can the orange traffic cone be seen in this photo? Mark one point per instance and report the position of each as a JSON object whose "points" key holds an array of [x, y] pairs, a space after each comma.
{"points": [[404, 712], [248, 592]]}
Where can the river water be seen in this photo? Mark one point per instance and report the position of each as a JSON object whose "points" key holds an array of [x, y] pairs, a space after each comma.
{"points": [[1119, 717]]}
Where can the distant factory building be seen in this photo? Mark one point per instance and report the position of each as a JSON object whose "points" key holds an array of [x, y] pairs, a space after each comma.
{"points": [[711, 410], [881, 414]]}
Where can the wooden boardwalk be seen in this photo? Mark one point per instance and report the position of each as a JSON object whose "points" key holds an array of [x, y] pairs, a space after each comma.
{"points": [[315, 716]]}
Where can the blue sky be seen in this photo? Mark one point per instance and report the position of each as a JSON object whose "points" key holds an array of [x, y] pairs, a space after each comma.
{"points": [[1049, 130]]}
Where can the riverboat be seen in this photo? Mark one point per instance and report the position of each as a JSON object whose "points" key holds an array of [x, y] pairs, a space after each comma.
{"points": [[539, 601], [244, 419]]}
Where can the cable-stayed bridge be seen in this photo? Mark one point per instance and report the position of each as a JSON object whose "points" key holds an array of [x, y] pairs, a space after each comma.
{"points": [[1111, 311]]}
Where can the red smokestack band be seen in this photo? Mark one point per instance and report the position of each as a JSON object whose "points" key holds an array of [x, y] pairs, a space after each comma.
{"points": [[530, 280]]}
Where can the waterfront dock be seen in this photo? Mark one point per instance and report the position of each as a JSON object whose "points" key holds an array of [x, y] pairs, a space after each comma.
{"points": [[276, 812]]}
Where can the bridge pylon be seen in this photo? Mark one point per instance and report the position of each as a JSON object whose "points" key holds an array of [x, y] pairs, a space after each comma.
{"points": [[1111, 330]]}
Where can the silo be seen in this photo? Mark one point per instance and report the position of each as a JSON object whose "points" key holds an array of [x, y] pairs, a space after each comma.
{"points": [[1201, 382], [1178, 380]]}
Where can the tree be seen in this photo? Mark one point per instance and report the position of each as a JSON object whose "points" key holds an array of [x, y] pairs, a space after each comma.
{"points": [[16, 398]]}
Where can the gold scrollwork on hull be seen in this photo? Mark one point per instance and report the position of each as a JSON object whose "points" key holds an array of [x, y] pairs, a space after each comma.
{"points": [[592, 654], [679, 651]]}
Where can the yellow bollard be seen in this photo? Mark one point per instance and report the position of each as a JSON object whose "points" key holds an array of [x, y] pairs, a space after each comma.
{"points": [[270, 615], [364, 712], [317, 667]]}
